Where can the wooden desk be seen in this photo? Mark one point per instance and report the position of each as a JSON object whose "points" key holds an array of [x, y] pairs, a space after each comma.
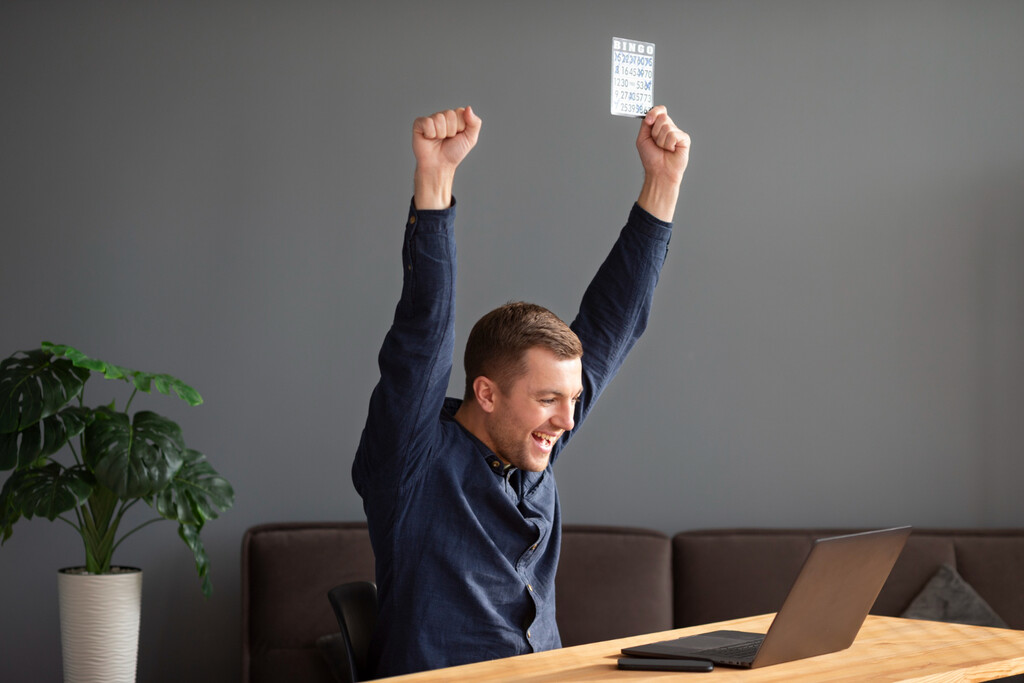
{"points": [[886, 649]]}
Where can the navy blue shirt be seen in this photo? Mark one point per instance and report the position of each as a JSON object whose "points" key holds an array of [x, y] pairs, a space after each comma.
{"points": [[466, 549]]}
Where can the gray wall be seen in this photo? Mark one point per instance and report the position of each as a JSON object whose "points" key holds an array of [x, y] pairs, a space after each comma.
{"points": [[217, 190]]}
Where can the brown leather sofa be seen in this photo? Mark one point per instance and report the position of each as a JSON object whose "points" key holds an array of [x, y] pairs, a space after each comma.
{"points": [[612, 582]]}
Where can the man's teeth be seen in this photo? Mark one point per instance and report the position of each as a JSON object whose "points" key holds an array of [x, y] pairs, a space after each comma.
{"points": [[547, 439]]}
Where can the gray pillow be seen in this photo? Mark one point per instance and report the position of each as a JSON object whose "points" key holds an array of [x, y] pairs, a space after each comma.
{"points": [[947, 597]]}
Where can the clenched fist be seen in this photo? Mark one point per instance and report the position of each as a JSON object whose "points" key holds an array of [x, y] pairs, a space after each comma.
{"points": [[440, 142]]}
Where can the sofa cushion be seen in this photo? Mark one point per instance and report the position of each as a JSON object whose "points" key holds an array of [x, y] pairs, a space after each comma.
{"points": [[922, 555], [724, 574], [612, 583], [992, 561], [728, 573], [287, 570]]}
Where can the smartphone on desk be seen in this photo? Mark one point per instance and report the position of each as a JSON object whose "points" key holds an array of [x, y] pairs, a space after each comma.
{"points": [[654, 664]]}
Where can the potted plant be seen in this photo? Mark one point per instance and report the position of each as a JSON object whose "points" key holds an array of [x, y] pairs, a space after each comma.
{"points": [[120, 459]]}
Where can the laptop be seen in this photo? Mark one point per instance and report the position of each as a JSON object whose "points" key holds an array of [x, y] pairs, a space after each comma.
{"points": [[824, 610]]}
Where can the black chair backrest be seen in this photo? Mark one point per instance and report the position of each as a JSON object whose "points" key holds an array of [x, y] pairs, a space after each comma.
{"points": [[355, 605]]}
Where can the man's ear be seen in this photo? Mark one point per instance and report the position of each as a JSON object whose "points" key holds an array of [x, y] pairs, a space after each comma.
{"points": [[486, 392]]}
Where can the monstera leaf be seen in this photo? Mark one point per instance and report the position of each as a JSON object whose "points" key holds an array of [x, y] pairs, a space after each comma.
{"points": [[44, 438], [190, 534], [143, 381], [196, 494], [134, 458], [46, 491], [9, 512], [34, 387]]}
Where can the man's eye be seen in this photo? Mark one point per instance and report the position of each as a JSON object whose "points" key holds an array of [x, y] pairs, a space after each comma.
{"points": [[547, 401]]}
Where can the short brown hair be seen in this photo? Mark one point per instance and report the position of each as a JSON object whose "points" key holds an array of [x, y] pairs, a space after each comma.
{"points": [[499, 341]]}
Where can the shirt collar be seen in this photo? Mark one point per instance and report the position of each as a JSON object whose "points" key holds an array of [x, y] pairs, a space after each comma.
{"points": [[494, 463]]}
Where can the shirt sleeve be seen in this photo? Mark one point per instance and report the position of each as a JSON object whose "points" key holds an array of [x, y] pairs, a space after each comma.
{"points": [[415, 359], [617, 303]]}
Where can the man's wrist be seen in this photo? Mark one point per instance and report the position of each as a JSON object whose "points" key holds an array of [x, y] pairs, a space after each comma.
{"points": [[432, 188], [658, 197]]}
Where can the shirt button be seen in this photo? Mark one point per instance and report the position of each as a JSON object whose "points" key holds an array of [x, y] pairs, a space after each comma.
{"points": [[529, 588], [412, 219], [529, 635], [533, 547]]}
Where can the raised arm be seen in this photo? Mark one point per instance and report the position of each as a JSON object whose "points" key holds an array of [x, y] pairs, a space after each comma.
{"points": [[664, 152], [440, 142], [617, 303], [416, 357]]}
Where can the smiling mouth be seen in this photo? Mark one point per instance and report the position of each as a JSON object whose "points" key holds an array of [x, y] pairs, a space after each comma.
{"points": [[546, 441]]}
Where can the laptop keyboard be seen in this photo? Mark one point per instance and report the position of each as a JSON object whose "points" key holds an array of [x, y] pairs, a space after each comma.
{"points": [[739, 651]]}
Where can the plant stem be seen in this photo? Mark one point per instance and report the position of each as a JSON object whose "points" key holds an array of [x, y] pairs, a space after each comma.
{"points": [[70, 523], [130, 399], [99, 527], [78, 461], [145, 524]]}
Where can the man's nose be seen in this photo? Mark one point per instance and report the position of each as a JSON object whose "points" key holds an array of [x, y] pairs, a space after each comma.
{"points": [[563, 418]]}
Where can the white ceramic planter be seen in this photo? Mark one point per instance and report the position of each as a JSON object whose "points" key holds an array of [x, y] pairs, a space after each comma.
{"points": [[99, 624]]}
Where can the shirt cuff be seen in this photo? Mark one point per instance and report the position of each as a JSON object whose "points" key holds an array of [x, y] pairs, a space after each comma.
{"points": [[641, 220], [430, 220]]}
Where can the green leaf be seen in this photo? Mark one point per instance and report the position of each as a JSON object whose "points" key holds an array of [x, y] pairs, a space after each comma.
{"points": [[190, 534], [112, 371], [8, 451], [35, 385], [48, 491], [75, 419], [31, 443], [43, 439], [9, 514], [142, 380], [162, 385], [185, 392], [165, 384], [133, 458], [196, 494]]}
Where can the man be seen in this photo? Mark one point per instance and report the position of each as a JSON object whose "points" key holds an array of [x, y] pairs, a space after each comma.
{"points": [[460, 496]]}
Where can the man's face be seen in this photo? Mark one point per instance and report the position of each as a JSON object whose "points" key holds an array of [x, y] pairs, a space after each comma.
{"points": [[533, 413]]}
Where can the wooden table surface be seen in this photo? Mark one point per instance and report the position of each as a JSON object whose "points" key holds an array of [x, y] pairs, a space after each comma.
{"points": [[886, 649]]}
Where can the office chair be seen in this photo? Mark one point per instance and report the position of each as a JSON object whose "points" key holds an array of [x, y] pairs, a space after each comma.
{"points": [[355, 605]]}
